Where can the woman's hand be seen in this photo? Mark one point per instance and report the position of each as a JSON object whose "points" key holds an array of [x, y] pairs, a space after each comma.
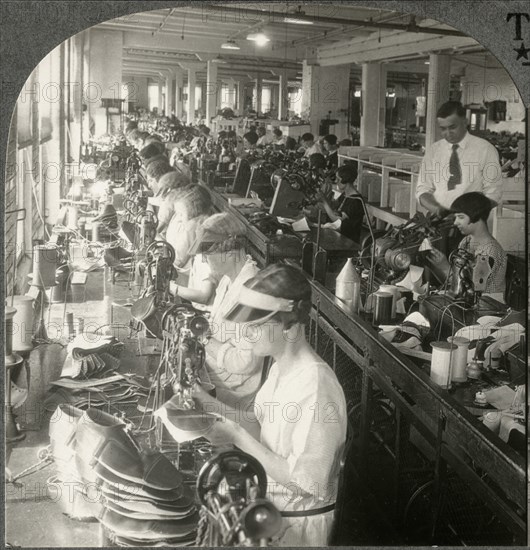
{"points": [[223, 432], [439, 258]]}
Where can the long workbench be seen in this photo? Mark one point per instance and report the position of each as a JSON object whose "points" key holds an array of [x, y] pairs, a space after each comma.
{"points": [[375, 376]]}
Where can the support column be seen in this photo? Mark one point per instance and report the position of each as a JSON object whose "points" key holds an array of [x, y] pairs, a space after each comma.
{"points": [[179, 83], [240, 97], [191, 96], [160, 95], [169, 93], [232, 94], [283, 97], [373, 104], [437, 93], [211, 91], [259, 87]]}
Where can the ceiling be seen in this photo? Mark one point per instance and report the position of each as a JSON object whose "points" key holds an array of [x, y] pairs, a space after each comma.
{"points": [[178, 38]]}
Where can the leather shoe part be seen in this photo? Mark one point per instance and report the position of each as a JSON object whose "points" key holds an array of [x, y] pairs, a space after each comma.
{"points": [[145, 516], [143, 506], [127, 489], [148, 530], [151, 470]]}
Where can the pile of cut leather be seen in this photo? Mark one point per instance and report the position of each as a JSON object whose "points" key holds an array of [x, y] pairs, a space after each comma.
{"points": [[103, 474], [89, 377]]}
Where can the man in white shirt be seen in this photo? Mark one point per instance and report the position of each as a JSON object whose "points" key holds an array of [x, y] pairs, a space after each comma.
{"points": [[308, 141], [457, 164]]}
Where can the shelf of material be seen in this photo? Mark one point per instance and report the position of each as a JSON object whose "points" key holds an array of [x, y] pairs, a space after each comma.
{"points": [[380, 182]]}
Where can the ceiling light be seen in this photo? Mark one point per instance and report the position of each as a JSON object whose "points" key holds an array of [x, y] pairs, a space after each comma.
{"points": [[230, 45], [427, 62], [297, 21], [259, 38]]}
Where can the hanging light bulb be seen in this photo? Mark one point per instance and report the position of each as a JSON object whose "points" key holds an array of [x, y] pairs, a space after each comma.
{"points": [[259, 38]]}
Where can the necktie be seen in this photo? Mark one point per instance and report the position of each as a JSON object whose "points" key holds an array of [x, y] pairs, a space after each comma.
{"points": [[454, 166]]}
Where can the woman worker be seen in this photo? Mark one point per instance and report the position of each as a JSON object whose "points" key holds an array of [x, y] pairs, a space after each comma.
{"points": [[191, 209], [471, 212], [220, 266], [347, 207], [301, 430]]}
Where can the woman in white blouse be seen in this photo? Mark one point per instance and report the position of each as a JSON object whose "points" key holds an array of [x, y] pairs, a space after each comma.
{"points": [[300, 432]]}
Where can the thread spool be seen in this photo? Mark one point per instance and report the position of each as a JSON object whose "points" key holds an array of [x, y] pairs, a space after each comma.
{"points": [[22, 323], [45, 258], [391, 289], [80, 325], [492, 420], [382, 308], [58, 293], [348, 286], [70, 333], [95, 231], [441, 363], [460, 358], [73, 215]]}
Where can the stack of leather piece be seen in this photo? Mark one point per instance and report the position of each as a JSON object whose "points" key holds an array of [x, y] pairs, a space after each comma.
{"points": [[111, 392], [140, 498], [91, 355]]}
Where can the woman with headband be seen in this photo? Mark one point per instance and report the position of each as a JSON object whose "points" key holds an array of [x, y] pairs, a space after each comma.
{"points": [[300, 432]]}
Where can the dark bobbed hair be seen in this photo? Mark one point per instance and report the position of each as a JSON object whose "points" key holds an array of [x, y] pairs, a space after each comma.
{"points": [[348, 173], [197, 201], [317, 160], [158, 168], [476, 205], [290, 143], [284, 281], [308, 137], [251, 137], [277, 132], [173, 180], [156, 158], [450, 108], [331, 139], [131, 125], [149, 151]]}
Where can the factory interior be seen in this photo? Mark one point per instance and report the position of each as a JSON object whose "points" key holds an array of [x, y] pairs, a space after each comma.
{"points": [[266, 284]]}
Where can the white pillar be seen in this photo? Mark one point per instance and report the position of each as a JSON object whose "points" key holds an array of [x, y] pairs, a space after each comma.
{"points": [[373, 104], [169, 93], [211, 91], [232, 94], [191, 96], [240, 97], [437, 93], [283, 97], [259, 87], [160, 96], [179, 82]]}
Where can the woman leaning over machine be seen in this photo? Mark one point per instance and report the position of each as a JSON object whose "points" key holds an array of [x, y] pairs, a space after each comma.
{"points": [[301, 411]]}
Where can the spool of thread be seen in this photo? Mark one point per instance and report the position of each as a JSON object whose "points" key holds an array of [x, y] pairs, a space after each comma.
{"points": [[73, 214], [70, 333], [443, 354], [45, 259], [391, 289], [80, 325], [23, 323], [81, 224], [492, 420], [58, 293], [382, 308], [95, 231], [460, 358], [348, 286]]}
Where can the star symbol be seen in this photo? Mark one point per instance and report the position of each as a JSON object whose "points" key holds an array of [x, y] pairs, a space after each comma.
{"points": [[521, 51]]}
